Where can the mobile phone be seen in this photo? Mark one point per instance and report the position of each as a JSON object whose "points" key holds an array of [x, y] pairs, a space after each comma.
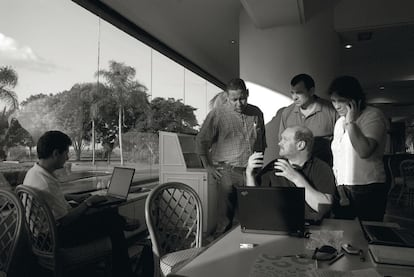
{"points": [[350, 249]]}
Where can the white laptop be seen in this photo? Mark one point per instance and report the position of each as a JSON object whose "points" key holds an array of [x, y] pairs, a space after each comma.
{"points": [[119, 185]]}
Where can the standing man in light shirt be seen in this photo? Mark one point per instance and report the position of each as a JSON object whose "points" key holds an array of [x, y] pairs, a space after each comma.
{"points": [[228, 136], [310, 111]]}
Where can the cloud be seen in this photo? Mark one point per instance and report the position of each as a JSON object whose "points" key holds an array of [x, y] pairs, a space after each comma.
{"points": [[15, 54]]}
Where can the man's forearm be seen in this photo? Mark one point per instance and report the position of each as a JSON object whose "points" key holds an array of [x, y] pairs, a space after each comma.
{"points": [[250, 182], [206, 160], [363, 146], [312, 196]]}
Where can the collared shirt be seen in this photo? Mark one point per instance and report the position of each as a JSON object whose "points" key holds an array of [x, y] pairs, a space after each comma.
{"points": [[348, 167], [40, 179], [321, 122], [317, 172], [231, 137]]}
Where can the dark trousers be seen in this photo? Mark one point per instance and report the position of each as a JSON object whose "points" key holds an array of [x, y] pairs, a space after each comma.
{"points": [[367, 202], [100, 224], [232, 177]]}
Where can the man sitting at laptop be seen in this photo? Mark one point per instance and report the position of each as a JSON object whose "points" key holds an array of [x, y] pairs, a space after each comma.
{"points": [[297, 168], [74, 225]]}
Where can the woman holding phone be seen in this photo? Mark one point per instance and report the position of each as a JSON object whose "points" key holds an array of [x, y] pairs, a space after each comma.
{"points": [[358, 148]]}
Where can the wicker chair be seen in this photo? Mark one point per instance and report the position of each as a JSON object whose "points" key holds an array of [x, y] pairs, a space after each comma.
{"points": [[173, 214], [407, 173], [45, 242], [11, 230]]}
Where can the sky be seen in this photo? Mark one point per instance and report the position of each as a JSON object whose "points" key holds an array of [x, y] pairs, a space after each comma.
{"points": [[53, 44]]}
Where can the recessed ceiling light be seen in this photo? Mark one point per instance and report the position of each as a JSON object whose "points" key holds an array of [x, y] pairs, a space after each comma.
{"points": [[232, 41], [381, 87], [348, 46]]}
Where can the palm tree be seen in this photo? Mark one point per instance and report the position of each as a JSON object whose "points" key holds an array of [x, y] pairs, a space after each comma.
{"points": [[8, 81], [120, 79]]}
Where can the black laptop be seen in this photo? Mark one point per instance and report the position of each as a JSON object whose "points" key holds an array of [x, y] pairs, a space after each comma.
{"points": [[119, 185], [387, 235], [272, 210]]}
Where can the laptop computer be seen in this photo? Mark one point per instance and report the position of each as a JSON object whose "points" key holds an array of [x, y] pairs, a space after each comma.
{"points": [[387, 235], [119, 185], [272, 210]]}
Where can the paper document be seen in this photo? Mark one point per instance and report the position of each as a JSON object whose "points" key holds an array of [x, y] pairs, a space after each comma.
{"points": [[277, 266]]}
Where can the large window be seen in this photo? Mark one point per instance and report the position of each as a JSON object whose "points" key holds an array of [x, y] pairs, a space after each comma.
{"points": [[70, 71]]}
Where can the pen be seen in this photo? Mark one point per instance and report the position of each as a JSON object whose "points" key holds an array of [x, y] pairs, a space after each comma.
{"points": [[340, 255]]}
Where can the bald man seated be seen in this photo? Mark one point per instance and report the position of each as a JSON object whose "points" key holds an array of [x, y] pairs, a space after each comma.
{"points": [[297, 168]]}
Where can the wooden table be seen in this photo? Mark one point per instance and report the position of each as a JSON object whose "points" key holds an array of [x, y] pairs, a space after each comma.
{"points": [[225, 257]]}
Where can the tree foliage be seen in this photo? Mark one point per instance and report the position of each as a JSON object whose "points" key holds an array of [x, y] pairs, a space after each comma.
{"points": [[8, 81], [123, 87], [16, 135], [118, 106], [168, 115], [37, 116]]}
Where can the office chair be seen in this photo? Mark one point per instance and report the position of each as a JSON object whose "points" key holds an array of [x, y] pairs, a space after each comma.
{"points": [[407, 173], [44, 239], [11, 230], [173, 213]]}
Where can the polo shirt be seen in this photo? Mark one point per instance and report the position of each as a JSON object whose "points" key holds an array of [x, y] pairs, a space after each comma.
{"points": [[231, 137], [39, 178], [321, 122], [317, 172]]}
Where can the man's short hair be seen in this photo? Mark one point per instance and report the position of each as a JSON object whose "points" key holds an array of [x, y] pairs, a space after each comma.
{"points": [[236, 84], [305, 78], [304, 134], [50, 141]]}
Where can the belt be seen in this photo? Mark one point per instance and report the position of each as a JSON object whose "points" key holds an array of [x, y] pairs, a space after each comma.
{"points": [[222, 165]]}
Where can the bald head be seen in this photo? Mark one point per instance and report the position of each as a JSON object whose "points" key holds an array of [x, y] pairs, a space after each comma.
{"points": [[303, 134]]}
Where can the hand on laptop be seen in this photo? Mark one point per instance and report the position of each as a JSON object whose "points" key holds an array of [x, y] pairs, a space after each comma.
{"points": [[94, 199], [79, 198]]}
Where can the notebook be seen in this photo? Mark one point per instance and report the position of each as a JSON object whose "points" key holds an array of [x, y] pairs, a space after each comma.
{"points": [[119, 185], [272, 210], [388, 235], [384, 254]]}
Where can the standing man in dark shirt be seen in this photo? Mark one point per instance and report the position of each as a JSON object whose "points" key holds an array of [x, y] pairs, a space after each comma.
{"points": [[228, 136], [312, 112], [297, 168]]}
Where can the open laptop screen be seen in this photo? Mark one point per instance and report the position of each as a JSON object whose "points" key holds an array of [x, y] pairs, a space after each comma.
{"points": [[278, 210], [120, 181]]}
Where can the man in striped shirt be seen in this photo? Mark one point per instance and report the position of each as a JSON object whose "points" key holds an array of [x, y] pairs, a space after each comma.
{"points": [[228, 136]]}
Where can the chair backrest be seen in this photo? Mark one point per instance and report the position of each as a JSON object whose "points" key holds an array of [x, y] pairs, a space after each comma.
{"points": [[407, 172], [174, 217], [11, 227], [41, 225]]}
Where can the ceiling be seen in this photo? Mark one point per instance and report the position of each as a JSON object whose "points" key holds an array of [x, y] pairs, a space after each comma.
{"points": [[203, 35]]}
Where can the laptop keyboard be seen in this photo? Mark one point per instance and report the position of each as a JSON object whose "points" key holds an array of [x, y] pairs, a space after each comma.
{"points": [[407, 236], [384, 233]]}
